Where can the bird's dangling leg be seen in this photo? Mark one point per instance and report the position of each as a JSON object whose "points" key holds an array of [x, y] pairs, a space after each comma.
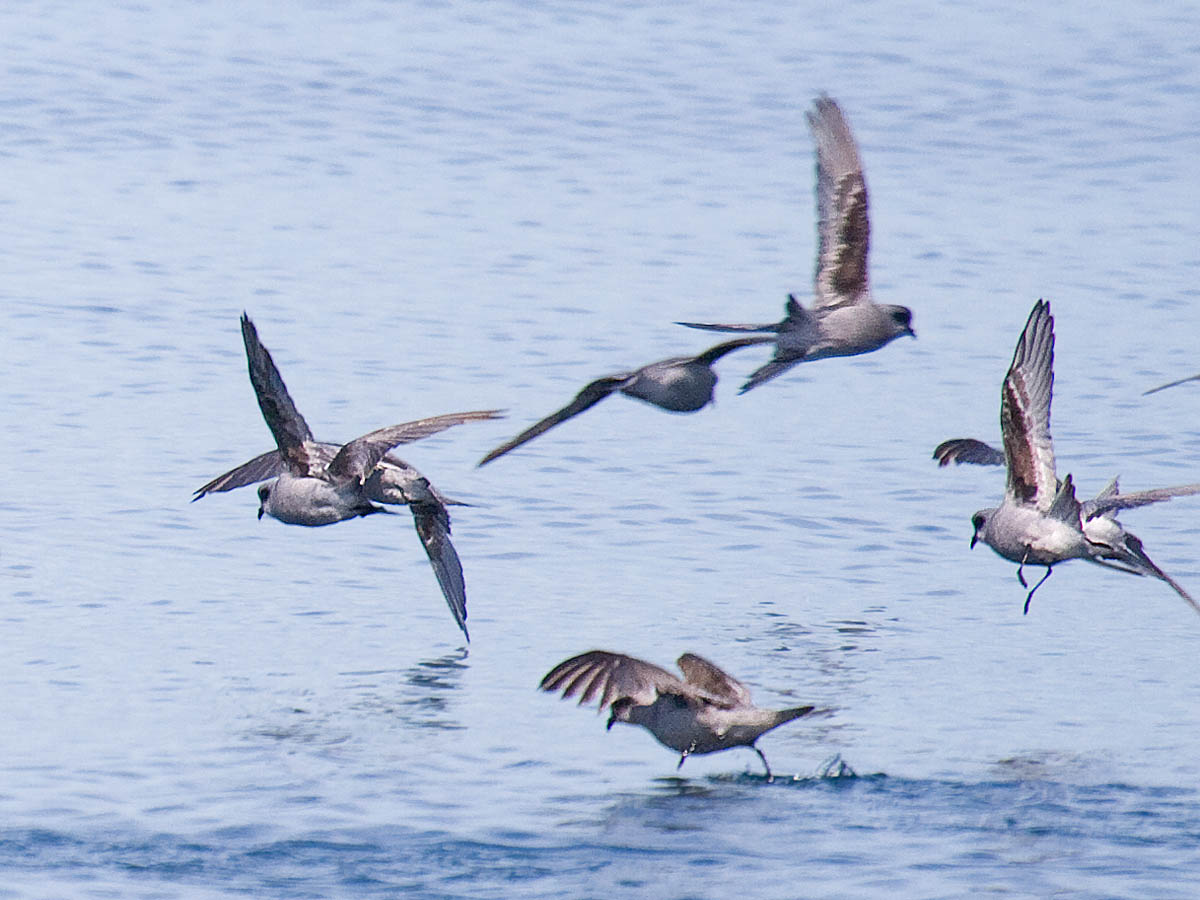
{"points": [[1021, 569], [684, 755], [1049, 569], [766, 765]]}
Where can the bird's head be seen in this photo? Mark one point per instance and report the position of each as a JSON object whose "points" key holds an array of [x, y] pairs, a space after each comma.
{"points": [[979, 522], [902, 320], [619, 711], [264, 491]]}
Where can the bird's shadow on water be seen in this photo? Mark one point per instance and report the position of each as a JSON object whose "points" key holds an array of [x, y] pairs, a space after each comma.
{"points": [[424, 696], [419, 696]]}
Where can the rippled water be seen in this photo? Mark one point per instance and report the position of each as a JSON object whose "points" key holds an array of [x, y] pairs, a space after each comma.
{"points": [[438, 207]]}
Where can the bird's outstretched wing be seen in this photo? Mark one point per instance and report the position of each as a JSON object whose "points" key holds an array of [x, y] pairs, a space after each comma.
{"points": [[712, 354], [1133, 545], [1111, 499], [1025, 413], [584, 400], [765, 373], [712, 679], [967, 450], [357, 458], [433, 526], [708, 326], [262, 467], [288, 427], [606, 676], [843, 226], [1171, 384], [1110, 541]]}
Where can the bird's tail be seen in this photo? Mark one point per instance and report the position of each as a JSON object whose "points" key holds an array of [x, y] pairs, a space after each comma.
{"points": [[796, 712]]}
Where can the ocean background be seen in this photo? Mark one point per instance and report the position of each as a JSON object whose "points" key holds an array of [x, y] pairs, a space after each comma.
{"points": [[433, 207]]}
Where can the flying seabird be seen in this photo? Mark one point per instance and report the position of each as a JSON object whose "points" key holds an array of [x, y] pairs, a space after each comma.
{"points": [[680, 384], [843, 320], [319, 483], [1039, 521], [709, 710]]}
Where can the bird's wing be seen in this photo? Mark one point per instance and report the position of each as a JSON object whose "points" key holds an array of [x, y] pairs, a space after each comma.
{"points": [[267, 465], [607, 676], [1161, 387], [712, 354], [706, 326], [843, 227], [291, 432], [1066, 508], [1129, 551], [766, 372], [1025, 413], [1111, 499], [713, 680], [356, 459], [585, 399], [967, 450], [798, 333], [433, 525]]}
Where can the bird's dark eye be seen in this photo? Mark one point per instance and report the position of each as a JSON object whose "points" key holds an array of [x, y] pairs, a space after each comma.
{"points": [[977, 521], [903, 316], [264, 492]]}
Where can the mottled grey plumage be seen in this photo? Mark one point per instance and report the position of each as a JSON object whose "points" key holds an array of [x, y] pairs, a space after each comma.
{"points": [[680, 384], [844, 320], [317, 483], [707, 711], [1040, 520]]}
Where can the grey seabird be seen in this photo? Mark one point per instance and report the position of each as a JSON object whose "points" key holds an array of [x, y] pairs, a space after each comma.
{"points": [[707, 711], [1039, 521], [319, 483], [680, 384], [843, 320]]}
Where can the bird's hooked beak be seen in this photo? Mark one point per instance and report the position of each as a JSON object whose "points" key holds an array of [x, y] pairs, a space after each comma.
{"points": [[260, 513], [912, 334], [974, 537]]}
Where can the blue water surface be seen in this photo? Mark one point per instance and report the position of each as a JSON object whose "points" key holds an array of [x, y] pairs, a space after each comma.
{"points": [[430, 207]]}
